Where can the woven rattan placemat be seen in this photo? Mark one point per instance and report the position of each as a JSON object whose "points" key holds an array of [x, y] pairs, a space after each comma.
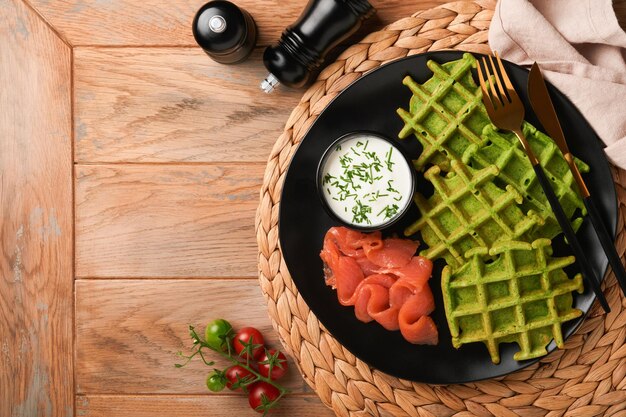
{"points": [[587, 378]]}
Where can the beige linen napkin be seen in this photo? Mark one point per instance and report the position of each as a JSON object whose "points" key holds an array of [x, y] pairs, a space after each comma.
{"points": [[581, 50]]}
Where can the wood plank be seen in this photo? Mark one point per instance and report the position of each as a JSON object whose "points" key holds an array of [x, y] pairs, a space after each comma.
{"points": [[36, 217], [173, 104], [151, 22], [128, 332], [209, 405], [166, 220]]}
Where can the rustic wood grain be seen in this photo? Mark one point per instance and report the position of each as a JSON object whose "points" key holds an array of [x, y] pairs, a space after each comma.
{"points": [[173, 105], [166, 220], [128, 332], [154, 22], [36, 218], [209, 405], [134, 105]]}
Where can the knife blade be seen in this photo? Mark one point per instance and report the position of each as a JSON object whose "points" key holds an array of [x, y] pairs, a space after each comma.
{"points": [[542, 105], [544, 109]]}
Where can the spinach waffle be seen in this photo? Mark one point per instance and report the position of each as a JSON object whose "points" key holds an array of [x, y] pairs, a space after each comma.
{"points": [[489, 218], [447, 117], [468, 210], [513, 292]]}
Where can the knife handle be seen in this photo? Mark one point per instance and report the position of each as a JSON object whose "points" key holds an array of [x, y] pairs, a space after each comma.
{"points": [[572, 240], [606, 242]]}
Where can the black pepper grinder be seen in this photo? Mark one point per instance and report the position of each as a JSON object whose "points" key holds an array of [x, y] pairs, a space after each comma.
{"points": [[303, 46], [225, 32]]}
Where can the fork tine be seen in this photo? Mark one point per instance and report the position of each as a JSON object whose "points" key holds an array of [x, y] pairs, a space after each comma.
{"points": [[494, 92], [507, 80], [495, 73], [486, 96]]}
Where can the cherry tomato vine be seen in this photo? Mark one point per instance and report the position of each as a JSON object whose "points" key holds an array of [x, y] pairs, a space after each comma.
{"points": [[254, 368]]}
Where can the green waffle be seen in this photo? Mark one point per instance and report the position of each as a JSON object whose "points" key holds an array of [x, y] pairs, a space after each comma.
{"points": [[489, 218], [467, 210], [513, 292], [448, 118]]}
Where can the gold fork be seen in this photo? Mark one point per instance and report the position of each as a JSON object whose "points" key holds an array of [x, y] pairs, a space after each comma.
{"points": [[506, 111]]}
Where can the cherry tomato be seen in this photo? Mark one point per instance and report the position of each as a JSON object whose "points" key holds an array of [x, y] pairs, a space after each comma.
{"points": [[280, 364], [236, 373], [262, 393], [217, 332], [216, 381], [246, 335]]}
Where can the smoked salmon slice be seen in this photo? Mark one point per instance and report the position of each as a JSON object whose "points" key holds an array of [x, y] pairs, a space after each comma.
{"points": [[423, 331], [383, 280], [393, 253], [371, 301]]}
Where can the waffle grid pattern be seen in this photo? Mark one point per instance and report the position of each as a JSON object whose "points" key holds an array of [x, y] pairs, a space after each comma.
{"points": [[468, 210], [523, 293], [450, 130], [460, 126]]}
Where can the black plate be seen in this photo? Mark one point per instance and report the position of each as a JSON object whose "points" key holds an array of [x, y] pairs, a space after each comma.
{"points": [[370, 103]]}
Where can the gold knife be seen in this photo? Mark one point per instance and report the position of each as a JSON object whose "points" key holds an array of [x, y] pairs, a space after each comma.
{"points": [[544, 109]]}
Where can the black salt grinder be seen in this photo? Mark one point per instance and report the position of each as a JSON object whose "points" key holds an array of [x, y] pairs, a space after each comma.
{"points": [[225, 32], [303, 46]]}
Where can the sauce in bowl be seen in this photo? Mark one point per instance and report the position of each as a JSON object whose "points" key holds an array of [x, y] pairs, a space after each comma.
{"points": [[365, 181]]}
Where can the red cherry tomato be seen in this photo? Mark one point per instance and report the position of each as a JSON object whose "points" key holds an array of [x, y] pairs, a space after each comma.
{"points": [[247, 335], [236, 373], [262, 393], [280, 364]]}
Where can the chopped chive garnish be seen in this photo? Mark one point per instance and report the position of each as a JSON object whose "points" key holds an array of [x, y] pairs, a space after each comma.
{"points": [[361, 183], [389, 210], [360, 212], [390, 187], [388, 161]]}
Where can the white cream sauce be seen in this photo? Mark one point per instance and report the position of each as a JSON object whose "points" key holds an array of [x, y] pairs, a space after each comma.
{"points": [[366, 181]]}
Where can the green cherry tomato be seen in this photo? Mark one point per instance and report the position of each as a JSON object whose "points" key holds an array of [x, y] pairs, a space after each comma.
{"points": [[217, 332], [216, 381]]}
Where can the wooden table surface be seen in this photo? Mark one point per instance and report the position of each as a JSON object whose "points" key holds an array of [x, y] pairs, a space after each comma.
{"points": [[131, 166]]}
